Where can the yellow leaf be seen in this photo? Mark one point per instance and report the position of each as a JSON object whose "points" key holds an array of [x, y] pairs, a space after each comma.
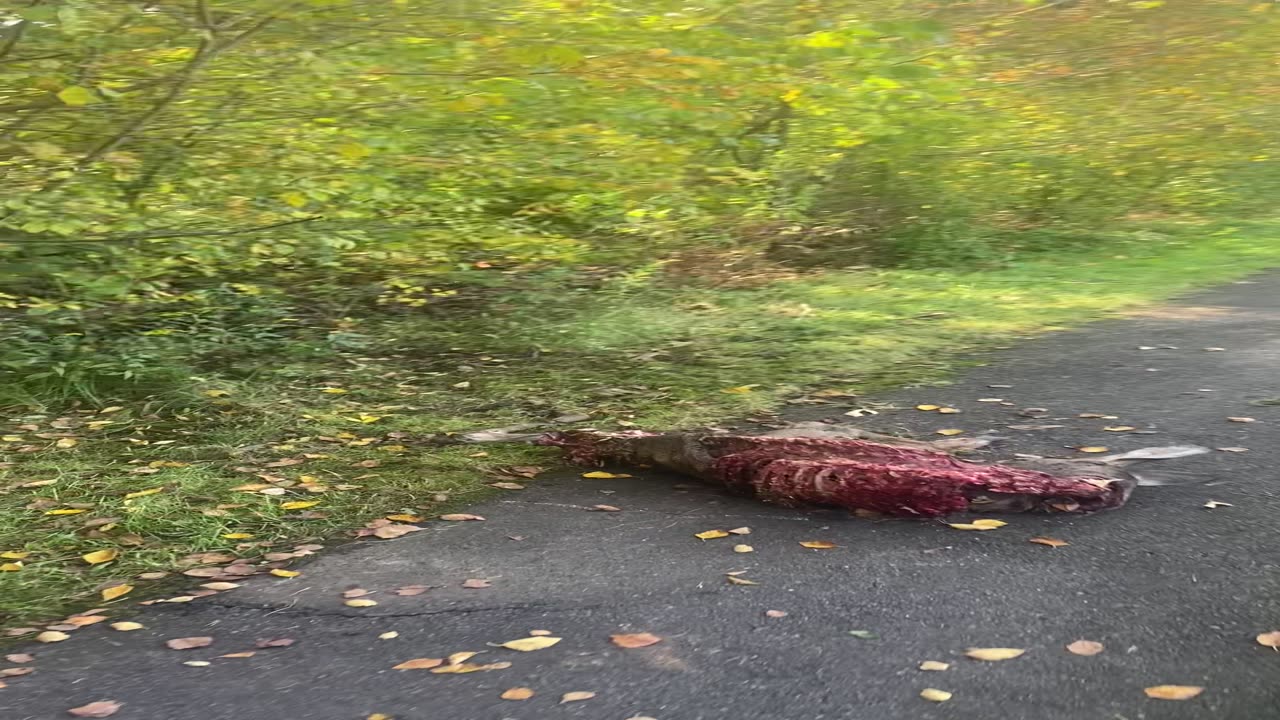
{"points": [[293, 199], [988, 523], [66, 511], [740, 390], [1092, 449], [743, 548], [711, 534], [741, 531], [15, 555], [370, 418], [935, 695], [299, 504], [530, 644], [10, 566], [100, 556], [126, 626], [333, 391], [576, 696], [143, 493], [1051, 542], [517, 693], [359, 603], [216, 393], [419, 664], [1270, 639], [928, 408], [65, 443], [353, 151], [934, 665], [11, 438], [116, 591], [948, 410], [601, 475], [1173, 692], [460, 657], [735, 580], [375, 716], [405, 518], [994, 654], [74, 95], [389, 635], [238, 536], [949, 431], [285, 573], [818, 544], [970, 526], [1119, 428], [51, 636], [1085, 647]]}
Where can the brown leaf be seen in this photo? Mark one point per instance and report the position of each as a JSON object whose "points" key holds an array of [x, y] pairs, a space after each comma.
{"points": [[1173, 692], [1051, 542], [576, 696], [470, 668], [775, 613], [419, 664], [517, 693], [741, 531], [1267, 639], [204, 572], [274, 642], [245, 654], [475, 583], [1085, 647], [410, 590], [356, 592], [507, 486], [387, 532], [1238, 420], [189, 643], [735, 580], [51, 636], [606, 508], [286, 462], [16, 672], [460, 517], [99, 709], [635, 640], [529, 644], [25, 658], [83, 620]]}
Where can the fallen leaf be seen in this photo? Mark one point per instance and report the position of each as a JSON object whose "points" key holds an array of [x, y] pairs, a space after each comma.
{"points": [[635, 640], [274, 643], [389, 532], [606, 508], [743, 548], [299, 504], [1212, 504], [601, 475], [740, 389], [1119, 428], [576, 696], [928, 408], [775, 613], [198, 663], [864, 634], [79, 621], [1239, 420], [285, 573], [143, 493], [1173, 692], [1085, 647], [1234, 449], [1051, 542], [245, 654], [982, 524], [741, 531], [1093, 449], [188, 643], [220, 586], [25, 658], [934, 665], [470, 668], [65, 443], [405, 518], [935, 695], [517, 693], [356, 592], [949, 410], [993, 654], [51, 636], [540, 632], [735, 580], [379, 716], [360, 603], [818, 544], [15, 555], [949, 431], [237, 536], [16, 672], [388, 635], [419, 664], [460, 657], [99, 709], [507, 486], [116, 591], [100, 556], [67, 511], [530, 644], [460, 517], [1267, 639], [10, 567], [711, 534], [410, 590], [475, 583], [126, 626]]}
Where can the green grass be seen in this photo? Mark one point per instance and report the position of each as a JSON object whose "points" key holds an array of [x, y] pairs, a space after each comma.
{"points": [[652, 357]]}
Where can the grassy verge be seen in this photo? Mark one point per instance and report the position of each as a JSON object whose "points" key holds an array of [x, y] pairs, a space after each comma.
{"points": [[332, 441]]}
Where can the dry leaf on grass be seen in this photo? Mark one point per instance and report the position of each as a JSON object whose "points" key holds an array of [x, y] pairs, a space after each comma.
{"points": [[818, 544], [994, 654], [99, 709], [576, 696], [188, 643], [934, 665], [100, 556], [116, 591], [517, 693], [634, 640], [1173, 692], [419, 664], [1051, 542], [935, 695], [1085, 647], [1270, 639], [530, 644]]}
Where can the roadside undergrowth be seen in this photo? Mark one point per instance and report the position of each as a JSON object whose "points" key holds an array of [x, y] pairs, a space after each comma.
{"points": [[248, 466]]}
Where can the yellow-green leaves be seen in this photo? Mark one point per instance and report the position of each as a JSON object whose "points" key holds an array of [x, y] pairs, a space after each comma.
{"points": [[994, 654], [100, 556], [530, 644], [76, 95]]}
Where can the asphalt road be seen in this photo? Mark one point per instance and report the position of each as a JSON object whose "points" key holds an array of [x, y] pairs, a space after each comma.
{"points": [[1176, 592]]}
